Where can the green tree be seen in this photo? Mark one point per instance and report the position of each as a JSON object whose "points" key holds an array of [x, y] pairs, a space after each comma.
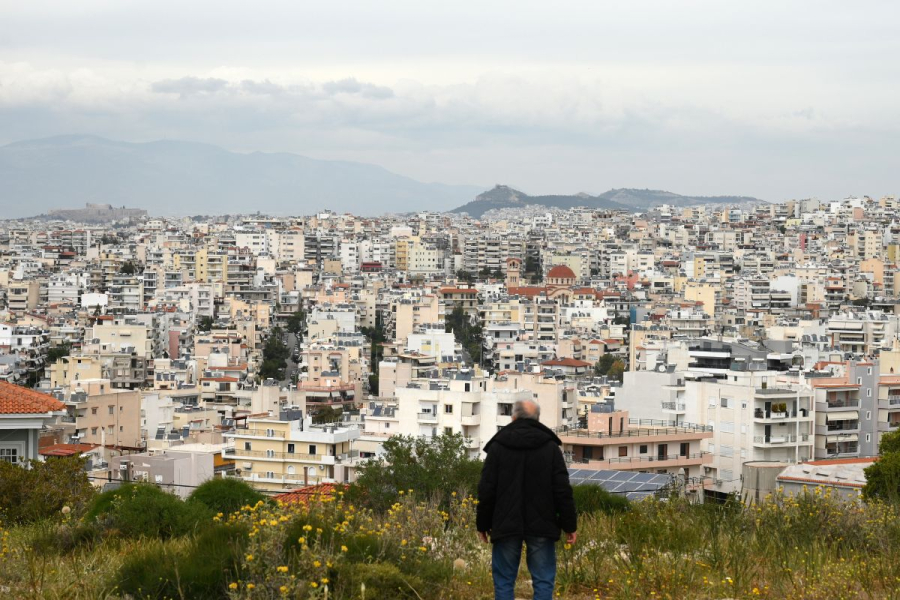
{"points": [[604, 364], [296, 323], [890, 442], [616, 370], [432, 468], [128, 268], [883, 479], [57, 352], [464, 275], [275, 354], [41, 489], [883, 476], [205, 324], [469, 335]]}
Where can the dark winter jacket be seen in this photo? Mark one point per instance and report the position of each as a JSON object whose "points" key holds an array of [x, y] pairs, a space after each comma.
{"points": [[524, 488]]}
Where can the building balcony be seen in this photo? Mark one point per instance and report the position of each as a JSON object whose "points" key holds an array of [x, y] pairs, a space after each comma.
{"points": [[770, 392], [761, 415], [427, 417], [677, 407], [627, 463], [264, 433], [239, 454], [470, 420], [768, 441]]}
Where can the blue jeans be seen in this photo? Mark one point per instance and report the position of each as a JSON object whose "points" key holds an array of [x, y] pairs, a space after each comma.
{"points": [[541, 560]]}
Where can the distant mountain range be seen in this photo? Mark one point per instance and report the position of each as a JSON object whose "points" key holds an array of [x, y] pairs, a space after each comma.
{"points": [[173, 178], [503, 196]]}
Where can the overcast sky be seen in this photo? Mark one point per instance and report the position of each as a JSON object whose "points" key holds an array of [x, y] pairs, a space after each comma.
{"points": [[772, 99]]}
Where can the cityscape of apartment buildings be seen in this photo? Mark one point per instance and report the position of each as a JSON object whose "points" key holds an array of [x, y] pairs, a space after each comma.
{"points": [[691, 342]]}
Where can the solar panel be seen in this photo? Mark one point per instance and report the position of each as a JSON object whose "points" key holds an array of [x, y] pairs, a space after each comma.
{"points": [[631, 485]]}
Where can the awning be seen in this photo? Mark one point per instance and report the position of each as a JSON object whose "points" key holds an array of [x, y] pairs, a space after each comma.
{"points": [[842, 415], [847, 437]]}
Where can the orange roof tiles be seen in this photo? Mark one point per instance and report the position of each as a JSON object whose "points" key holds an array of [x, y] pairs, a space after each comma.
{"points": [[310, 492], [566, 362], [17, 400]]}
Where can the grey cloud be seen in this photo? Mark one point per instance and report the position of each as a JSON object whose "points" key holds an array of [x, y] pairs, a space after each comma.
{"points": [[352, 86], [187, 86]]}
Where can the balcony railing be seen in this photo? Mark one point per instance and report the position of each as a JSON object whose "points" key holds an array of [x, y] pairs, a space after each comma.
{"points": [[238, 453], [259, 433], [779, 439], [848, 403], [674, 406], [643, 459]]}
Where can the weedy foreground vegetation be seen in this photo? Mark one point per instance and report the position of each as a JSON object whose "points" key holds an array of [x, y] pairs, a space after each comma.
{"points": [[227, 541]]}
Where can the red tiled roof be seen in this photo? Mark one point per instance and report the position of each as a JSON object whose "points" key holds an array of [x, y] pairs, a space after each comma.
{"points": [[66, 449], [310, 492], [561, 272], [566, 362], [17, 400]]}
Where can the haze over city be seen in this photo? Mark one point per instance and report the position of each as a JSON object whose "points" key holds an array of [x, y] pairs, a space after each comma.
{"points": [[774, 100]]}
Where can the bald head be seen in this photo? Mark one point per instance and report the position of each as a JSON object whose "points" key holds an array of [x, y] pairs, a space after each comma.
{"points": [[526, 409]]}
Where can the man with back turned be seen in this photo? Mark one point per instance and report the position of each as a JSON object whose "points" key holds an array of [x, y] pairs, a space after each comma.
{"points": [[524, 497]]}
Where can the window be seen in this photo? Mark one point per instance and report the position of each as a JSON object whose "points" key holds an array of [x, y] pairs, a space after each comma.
{"points": [[868, 415], [270, 433], [859, 381], [10, 454], [387, 425], [448, 431], [726, 427], [726, 451], [685, 449], [724, 403], [448, 409], [312, 449], [869, 371], [623, 451], [643, 449], [112, 409], [270, 454], [291, 448], [93, 431], [868, 437], [868, 392], [270, 474], [121, 428], [247, 446], [743, 405], [94, 411]]}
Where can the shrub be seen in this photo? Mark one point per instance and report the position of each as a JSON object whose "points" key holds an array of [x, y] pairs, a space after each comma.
{"points": [[136, 510], [593, 498], [225, 495], [201, 569], [42, 489], [436, 467], [382, 580]]}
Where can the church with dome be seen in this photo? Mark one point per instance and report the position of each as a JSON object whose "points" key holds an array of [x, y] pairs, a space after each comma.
{"points": [[559, 285]]}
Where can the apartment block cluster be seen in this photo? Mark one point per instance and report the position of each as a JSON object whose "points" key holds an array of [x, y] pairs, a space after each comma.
{"points": [[686, 341]]}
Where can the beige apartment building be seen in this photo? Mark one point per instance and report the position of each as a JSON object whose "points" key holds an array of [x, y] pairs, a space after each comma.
{"points": [[99, 415], [284, 452]]}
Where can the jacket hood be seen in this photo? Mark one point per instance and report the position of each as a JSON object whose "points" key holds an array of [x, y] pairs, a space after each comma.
{"points": [[524, 434]]}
